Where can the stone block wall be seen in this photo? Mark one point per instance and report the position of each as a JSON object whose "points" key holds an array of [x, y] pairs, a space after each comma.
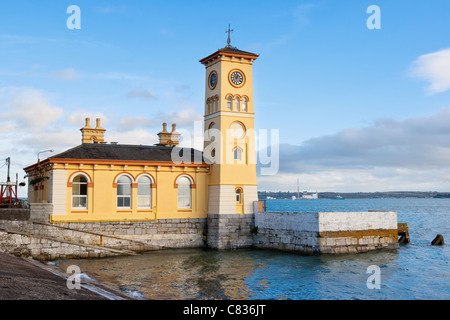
{"points": [[230, 231], [326, 232], [41, 211], [44, 249], [13, 214], [143, 235], [42, 240]]}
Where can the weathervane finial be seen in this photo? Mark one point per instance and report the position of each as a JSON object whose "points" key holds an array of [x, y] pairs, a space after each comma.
{"points": [[229, 31]]}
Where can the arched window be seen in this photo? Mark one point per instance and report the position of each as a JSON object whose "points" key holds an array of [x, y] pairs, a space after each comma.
{"points": [[184, 193], [238, 196], [124, 192], [237, 104], [212, 131], [79, 192], [237, 154], [216, 102], [244, 104], [229, 103], [144, 200]]}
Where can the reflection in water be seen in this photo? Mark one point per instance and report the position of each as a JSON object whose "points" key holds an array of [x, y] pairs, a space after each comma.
{"points": [[414, 271], [174, 274]]}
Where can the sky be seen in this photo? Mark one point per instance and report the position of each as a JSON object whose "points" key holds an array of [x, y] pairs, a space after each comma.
{"points": [[355, 108]]}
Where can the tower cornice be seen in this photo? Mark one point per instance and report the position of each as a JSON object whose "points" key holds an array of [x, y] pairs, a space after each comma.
{"points": [[229, 52]]}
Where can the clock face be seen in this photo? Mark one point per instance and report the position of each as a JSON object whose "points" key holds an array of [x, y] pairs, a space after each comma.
{"points": [[237, 78], [213, 80]]}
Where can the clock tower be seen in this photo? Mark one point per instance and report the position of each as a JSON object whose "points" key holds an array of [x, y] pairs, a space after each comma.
{"points": [[230, 145]]}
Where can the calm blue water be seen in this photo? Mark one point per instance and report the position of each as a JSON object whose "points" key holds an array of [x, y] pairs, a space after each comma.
{"points": [[414, 271]]}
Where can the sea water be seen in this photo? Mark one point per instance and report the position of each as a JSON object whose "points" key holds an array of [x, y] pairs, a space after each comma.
{"points": [[416, 270]]}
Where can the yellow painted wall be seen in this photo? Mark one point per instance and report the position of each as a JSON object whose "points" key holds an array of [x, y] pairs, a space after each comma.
{"points": [[102, 193], [226, 171]]}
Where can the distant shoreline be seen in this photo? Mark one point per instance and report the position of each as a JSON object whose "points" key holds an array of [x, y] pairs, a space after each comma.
{"points": [[263, 195]]}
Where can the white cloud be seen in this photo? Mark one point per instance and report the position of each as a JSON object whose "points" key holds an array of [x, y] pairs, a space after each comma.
{"points": [[78, 118], [141, 94], [27, 108], [134, 137], [434, 68], [67, 74], [118, 76], [182, 118], [412, 154]]}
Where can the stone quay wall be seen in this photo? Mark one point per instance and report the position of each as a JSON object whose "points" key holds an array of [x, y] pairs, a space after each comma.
{"points": [[47, 241], [326, 232], [230, 231], [31, 234]]}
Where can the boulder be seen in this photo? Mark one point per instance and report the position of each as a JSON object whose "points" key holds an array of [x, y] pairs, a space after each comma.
{"points": [[439, 240]]}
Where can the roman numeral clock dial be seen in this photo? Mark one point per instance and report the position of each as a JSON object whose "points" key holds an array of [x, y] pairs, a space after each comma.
{"points": [[237, 78]]}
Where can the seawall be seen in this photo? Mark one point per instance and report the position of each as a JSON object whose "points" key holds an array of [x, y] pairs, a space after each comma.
{"points": [[30, 233], [326, 232], [34, 236]]}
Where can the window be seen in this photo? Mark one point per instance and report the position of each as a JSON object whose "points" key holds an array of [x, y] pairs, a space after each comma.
{"points": [[237, 154], [236, 104], [212, 132], [144, 200], [229, 103], [79, 192], [216, 105], [184, 193], [244, 105], [238, 195], [124, 192]]}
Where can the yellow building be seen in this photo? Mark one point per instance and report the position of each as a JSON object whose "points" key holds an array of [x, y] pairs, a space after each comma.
{"points": [[97, 181]]}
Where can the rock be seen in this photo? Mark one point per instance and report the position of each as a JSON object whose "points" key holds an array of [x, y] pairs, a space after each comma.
{"points": [[439, 240]]}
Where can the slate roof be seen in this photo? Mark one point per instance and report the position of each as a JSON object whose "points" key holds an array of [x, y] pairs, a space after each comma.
{"points": [[123, 152], [234, 49]]}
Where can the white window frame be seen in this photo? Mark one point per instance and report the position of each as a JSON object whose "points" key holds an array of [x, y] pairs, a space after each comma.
{"points": [[244, 105], [124, 196], [143, 196], [80, 196], [229, 103], [237, 104], [180, 185]]}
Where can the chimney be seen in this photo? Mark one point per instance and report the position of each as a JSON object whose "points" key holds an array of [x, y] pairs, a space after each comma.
{"points": [[168, 139], [174, 136], [164, 137], [98, 124], [90, 135], [88, 123]]}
